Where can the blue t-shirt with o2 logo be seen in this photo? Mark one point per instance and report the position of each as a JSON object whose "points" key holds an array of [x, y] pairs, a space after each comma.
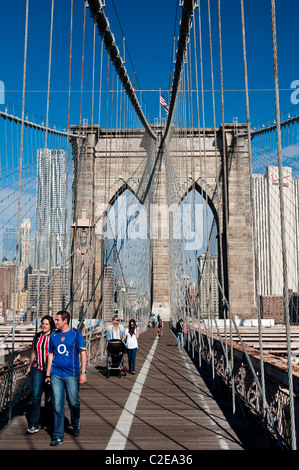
{"points": [[66, 348]]}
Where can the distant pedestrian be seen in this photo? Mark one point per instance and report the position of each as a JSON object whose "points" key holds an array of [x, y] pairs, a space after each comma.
{"points": [[37, 368], [160, 328], [65, 347], [132, 335], [179, 332]]}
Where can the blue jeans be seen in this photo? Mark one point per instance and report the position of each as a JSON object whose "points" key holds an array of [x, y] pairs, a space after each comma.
{"points": [[61, 384], [131, 359], [180, 340], [38, 386]]}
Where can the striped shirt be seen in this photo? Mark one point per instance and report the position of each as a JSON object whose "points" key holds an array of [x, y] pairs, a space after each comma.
{"points": [[40, 345]]}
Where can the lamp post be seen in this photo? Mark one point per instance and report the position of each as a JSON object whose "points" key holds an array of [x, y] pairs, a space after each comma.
{"points": [[83, 238]]}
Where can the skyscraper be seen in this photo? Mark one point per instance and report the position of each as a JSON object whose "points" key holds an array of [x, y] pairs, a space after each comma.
{"points": [[268, 230], [9, 243], [50, 209], [7, 283], [38, 294], [24, 253], [208, 286], [108, 290]]}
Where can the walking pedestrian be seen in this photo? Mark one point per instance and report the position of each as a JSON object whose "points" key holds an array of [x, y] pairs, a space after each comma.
{"points": [[66, 348], [37, 369], [160, 328], [179, 332], [132, 335], [115, 331]]}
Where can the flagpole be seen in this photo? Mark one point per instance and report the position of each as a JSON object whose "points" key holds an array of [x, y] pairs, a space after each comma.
{"points": [[160, 117]]}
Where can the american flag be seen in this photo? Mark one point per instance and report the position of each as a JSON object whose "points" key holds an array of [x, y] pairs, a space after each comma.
{"points": [[163, 102]]}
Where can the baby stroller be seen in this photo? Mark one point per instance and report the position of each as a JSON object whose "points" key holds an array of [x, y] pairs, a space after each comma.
{"points": [[115, 357]]}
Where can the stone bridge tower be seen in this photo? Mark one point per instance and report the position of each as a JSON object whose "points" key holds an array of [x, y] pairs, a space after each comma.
{"points": [[106, 162]]}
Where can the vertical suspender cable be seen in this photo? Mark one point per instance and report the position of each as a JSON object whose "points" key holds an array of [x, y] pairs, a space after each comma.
{"points": [[187, 14], [44, 161], [257, 290], [67, 157], [90, 216], [203, 133], [207, 255], [101, 77], [49, 80], [96, 9], [225, 185], [82, 160], [82, 65], [283, 232], [19, 200], [199, 143]]}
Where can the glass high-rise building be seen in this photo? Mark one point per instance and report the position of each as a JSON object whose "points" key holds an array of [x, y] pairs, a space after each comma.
{"points": [[50, 209], [9, 243]]}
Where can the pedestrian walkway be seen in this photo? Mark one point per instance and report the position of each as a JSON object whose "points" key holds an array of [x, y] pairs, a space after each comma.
{"points": [[166, 405]]}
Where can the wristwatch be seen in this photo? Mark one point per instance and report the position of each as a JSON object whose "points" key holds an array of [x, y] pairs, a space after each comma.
{"points": [[83, 371]]}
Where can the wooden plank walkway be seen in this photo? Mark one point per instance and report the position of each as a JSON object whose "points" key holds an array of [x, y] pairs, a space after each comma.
{"points": [[166, 405]]}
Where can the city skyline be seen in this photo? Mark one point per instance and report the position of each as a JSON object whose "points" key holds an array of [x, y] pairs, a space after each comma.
{"points": [[40, 247]]}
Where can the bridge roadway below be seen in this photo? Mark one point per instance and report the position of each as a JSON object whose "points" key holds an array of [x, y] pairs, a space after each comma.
{"points": [[167, 405]]}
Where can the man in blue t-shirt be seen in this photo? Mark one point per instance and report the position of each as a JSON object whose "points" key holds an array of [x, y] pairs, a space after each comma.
{"points": [[66, 348]]}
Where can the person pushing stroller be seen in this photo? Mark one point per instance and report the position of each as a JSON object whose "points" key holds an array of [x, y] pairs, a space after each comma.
{"points": [[115, 331], [115, 347]]}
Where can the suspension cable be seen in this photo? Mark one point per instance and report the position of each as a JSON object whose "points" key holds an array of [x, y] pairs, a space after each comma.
{"points": [[96, 9], [19, 198], [185, 25], [283, 232]]}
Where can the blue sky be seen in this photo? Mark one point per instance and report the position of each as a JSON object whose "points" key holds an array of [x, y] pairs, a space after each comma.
{"points": [[149, 27]]}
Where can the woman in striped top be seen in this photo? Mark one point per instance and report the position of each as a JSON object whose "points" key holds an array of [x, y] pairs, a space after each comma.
{"points": [[37, 366]]}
